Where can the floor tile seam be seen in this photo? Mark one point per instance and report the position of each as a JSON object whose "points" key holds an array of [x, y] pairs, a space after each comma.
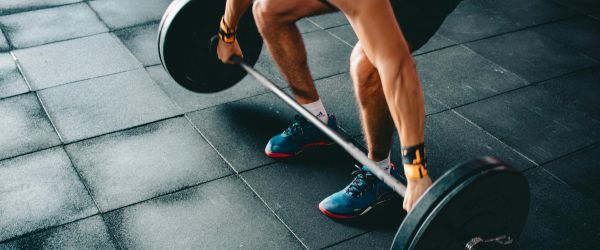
{"points": [[14, 48], [237, 173], [229, 102], [59, 41], [87, 3], [570, 46], [170, 192], [347, 239], [571, 153], [519, 29], [496, 138], [587, 198], [102, 213], [86, 79], [339, 38], [21, 71], [116, 243], [124, 48], [530, 85], [137, 25], [24, 10], [314, 23], [265, 92], [123, 129], [527, 82], [3, 33], [40, 230], [52, 123]]}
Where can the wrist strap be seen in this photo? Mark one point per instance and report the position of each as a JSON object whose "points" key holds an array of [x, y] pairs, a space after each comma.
{"points": [[414, 172], [415, 161], [226, 34]]}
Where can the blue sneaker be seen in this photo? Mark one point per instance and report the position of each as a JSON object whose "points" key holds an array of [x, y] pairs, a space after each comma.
{"points": [[301, 135], [364, 193]]}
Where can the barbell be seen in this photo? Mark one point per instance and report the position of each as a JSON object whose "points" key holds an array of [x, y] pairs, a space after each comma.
{"points": [[480, 204]]}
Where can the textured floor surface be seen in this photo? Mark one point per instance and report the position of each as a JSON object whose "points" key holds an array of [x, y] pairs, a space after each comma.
{"points": [[100, 149]]}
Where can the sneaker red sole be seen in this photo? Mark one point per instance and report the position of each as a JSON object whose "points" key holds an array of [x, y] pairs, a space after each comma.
{"points": [[336, 216], [307, 146]]}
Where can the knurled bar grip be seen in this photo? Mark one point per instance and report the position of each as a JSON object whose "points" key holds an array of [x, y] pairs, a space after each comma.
{"points": [[346, 145]]}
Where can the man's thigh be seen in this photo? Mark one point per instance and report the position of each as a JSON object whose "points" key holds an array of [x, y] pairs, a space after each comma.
{"points": [[375, 25], [293, 10]]}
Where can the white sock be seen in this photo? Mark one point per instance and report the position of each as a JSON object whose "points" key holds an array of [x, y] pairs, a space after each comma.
{"points": [[385, 164], [318, 110]]}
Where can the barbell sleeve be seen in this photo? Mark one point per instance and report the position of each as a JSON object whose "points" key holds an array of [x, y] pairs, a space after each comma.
{"points": [[354, 151]]}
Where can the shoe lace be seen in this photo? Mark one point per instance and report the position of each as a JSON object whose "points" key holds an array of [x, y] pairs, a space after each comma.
{"points": [[298, 125], [362, 182]]}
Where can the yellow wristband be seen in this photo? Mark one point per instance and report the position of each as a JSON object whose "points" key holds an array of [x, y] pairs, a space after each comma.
{"points": [[226, 33], [414, 172]]}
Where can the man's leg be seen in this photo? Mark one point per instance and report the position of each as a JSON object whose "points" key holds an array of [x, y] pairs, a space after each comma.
{"points": [[384, 44], [276, 22], [376, 119], [365, 191]]}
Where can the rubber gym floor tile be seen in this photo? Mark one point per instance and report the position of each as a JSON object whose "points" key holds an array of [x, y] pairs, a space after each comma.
{"points": [[534, 122], [451, 140], [585, 6], [457, 75], [102, 105], [559, 217], [39, 27], [295, 187], [25, 126], [580, 170], [11, 83], [436, 42], [579, 91], [344, 33], [142, 42], [12, 6], [240, 130], [144, 162], [582, 33], [40, 190], [531, 12], [472, 20], [74, 60], [4, 46], [337, 94], [118, 14], [90, 233], [306, 26], [532, 56], [327, 55], [223, 214], [329, 20], [190, 101], [266, 66], [378, 239]]}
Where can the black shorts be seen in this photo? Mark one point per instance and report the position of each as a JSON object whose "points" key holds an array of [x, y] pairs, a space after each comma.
{"points": [[420, 19]]}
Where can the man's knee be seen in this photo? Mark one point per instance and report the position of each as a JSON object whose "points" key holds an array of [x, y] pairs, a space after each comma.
{"points": [[364, 74], [268, 14]]}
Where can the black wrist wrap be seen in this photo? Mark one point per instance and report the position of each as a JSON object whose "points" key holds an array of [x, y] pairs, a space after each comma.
{"points": [[414, 155]]}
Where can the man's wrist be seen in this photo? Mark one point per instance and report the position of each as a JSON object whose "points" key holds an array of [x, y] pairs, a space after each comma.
{"points": [[227, 33]]}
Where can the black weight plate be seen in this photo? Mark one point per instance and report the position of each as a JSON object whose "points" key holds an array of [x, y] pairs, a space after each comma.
{"points": [[183, 45], [483, 198]]}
